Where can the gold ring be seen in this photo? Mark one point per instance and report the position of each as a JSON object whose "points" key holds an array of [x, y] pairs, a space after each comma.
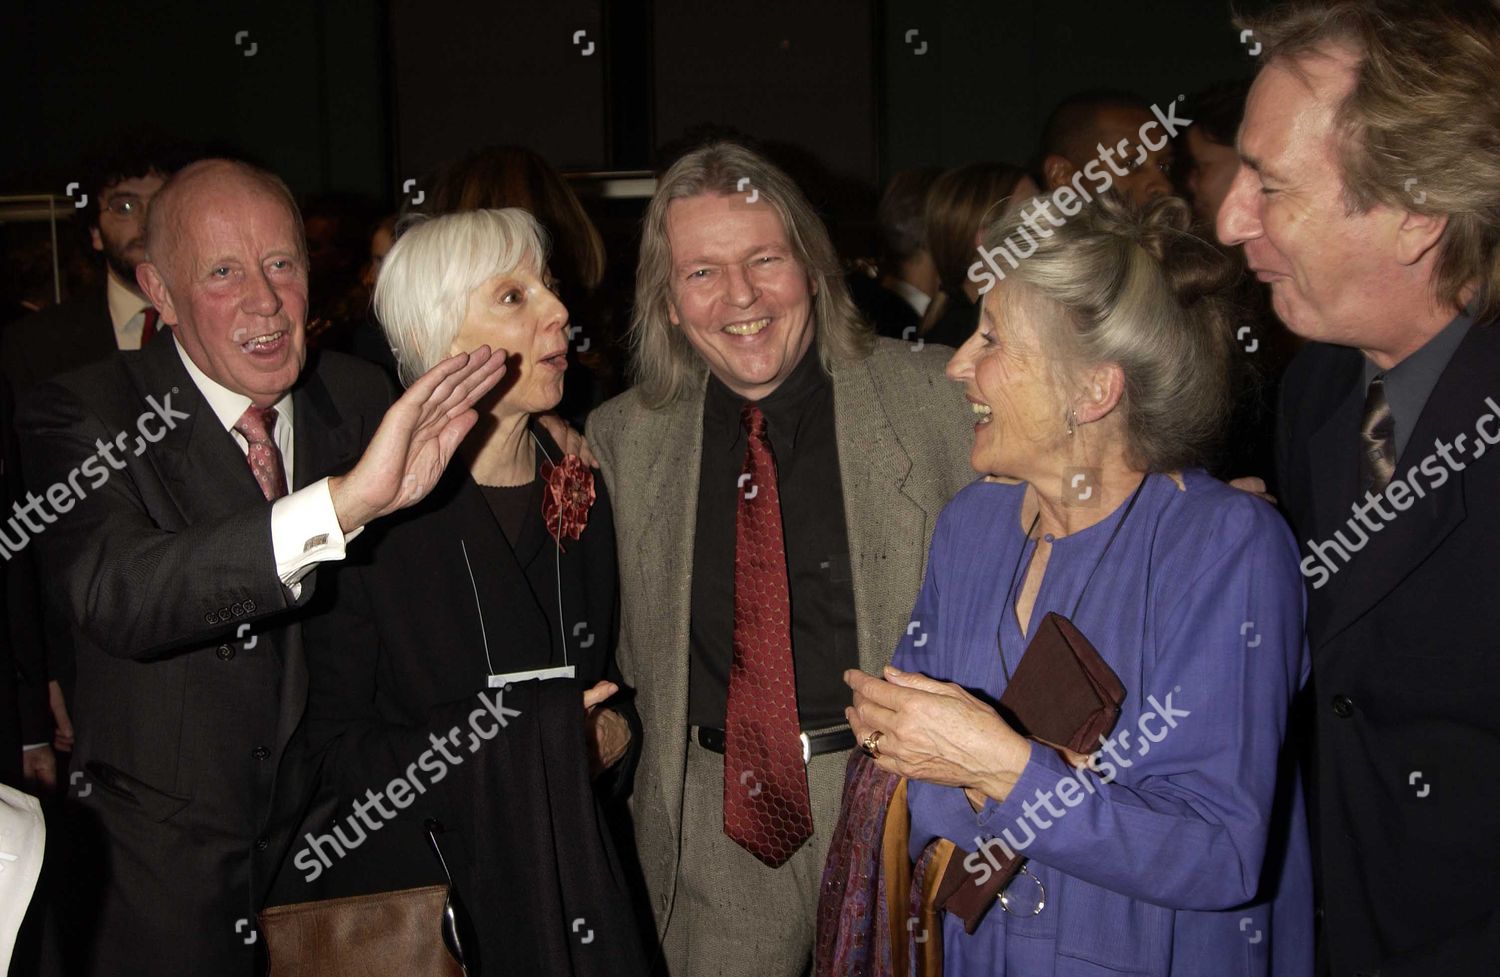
{"points": [[872, 744]]}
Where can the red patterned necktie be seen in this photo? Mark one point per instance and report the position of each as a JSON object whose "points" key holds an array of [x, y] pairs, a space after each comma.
{"points": [[766, 805], [148, 325], [257, 425]]}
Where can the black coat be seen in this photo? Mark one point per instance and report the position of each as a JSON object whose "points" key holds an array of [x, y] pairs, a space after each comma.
{"points": [[187, 749], [1406, 669], [58, 339], [397, 654]]}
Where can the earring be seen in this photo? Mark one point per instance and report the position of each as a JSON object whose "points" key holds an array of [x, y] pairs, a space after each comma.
{"points": [[1072, 422]]}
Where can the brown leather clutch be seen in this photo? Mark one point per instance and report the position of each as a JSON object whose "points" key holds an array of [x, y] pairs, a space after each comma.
{"points": [[1064, 695], [384, 934]]}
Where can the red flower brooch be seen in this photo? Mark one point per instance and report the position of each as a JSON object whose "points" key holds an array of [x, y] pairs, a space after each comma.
{"points": [[569, 494]]}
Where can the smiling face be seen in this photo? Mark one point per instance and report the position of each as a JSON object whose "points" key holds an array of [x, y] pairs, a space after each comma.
{"points": [[232, 282], [520, 312], [1329, 270], [1020, 425], [738, 292]]}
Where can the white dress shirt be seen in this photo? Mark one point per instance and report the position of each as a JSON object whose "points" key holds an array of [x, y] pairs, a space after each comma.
{"points": [[127, 312], [914, 296], [304, 527]]}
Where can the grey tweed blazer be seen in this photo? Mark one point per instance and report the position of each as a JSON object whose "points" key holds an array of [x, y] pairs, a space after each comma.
{"points": [[904, 432]]}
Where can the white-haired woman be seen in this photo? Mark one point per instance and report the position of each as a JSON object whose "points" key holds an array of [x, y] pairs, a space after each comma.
{"points": [[504, 579], [1098, 375]]}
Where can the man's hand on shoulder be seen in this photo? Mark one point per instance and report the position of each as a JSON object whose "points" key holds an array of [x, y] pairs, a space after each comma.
{"points": [[416, 439]]}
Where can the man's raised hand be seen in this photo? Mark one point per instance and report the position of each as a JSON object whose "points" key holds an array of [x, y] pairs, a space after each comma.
{"points": [[416, 439]]}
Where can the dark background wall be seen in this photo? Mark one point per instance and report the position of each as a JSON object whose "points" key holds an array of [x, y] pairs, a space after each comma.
{"points": [[358, 95]]}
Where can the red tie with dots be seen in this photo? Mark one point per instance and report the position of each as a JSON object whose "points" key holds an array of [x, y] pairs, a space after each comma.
{"points": [[766, 806], [148, 325], [256, 426]]}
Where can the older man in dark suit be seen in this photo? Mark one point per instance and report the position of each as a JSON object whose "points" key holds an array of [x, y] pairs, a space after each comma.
{"points": [[1368, 196], [184, 495], [776, 476]]}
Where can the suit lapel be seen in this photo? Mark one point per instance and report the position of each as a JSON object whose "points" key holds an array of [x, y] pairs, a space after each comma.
{"points": [[202, 468], [670, 483], [1405, 541], [879, 514], [326, 441]]}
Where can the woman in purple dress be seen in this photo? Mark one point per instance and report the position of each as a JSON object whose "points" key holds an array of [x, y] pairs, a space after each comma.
{"points": [[1180, 847]]}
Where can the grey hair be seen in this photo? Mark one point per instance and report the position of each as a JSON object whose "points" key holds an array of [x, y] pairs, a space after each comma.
{"points": [[422, 294], [1138, 291], [663, 362]]}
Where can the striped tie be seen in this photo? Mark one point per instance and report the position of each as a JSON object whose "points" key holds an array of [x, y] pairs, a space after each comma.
{"points": [[1377, 436]]}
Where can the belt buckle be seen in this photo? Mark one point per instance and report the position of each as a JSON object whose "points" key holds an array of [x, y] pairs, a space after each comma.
{"points": [[806, 749]]}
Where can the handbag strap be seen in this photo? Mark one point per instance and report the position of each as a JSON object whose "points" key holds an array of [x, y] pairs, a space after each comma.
{"points": [[433, 828]]}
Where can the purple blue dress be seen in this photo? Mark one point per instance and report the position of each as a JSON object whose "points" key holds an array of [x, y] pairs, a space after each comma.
{"points": [[1184, 851]]}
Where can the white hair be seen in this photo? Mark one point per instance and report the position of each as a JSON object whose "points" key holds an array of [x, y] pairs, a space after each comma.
{"points": [[422, 294]]}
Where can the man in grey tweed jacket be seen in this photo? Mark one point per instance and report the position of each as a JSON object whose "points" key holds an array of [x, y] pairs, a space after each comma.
{"points": [[738, 291]]}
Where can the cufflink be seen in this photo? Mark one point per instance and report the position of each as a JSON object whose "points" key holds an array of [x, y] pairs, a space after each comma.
{"points": [[316, 541]]}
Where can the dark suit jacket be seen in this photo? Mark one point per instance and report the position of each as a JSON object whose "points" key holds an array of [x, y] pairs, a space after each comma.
{"points": [[37, 347], [1406, 668], [11, 703], [191, 678], [396, 649], [56, 340]]}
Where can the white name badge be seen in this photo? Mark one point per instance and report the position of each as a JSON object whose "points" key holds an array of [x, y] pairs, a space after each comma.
{"points": [[560, 671]]}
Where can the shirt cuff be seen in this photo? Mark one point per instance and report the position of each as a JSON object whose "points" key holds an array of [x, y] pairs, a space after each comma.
{"points": [[305, 532], [28, 747]]}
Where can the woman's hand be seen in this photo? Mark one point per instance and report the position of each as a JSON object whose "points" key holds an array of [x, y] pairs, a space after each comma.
{"points": [[609, 733], [936, 732], [569, 440]]}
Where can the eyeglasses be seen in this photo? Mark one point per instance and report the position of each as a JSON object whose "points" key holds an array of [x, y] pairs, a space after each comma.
{"points": [[125, 205]]}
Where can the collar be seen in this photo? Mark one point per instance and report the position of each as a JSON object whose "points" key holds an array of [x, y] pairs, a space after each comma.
{"points": [[783, 407], [914, 296], [124, 304], [229, 406], [1410, 383]]}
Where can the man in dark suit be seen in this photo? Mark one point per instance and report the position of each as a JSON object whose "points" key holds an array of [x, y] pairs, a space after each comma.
{"points": [[1368, 196], [123, 177], [165, 523]]}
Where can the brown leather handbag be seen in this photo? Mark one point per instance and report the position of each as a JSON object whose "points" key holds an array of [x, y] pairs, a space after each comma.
{"points": [[384, 933], [405, 933], [1064, 695]]}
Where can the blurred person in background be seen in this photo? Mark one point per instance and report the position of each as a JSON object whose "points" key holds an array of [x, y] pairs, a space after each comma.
{"points": [[894, 295], [960, 204], [1101, 133], [1264, 346], [362, 335]]}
